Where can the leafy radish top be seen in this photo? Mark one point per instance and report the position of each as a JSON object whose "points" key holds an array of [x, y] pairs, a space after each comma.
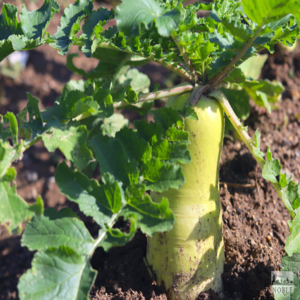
{"points": [[208, 50]]}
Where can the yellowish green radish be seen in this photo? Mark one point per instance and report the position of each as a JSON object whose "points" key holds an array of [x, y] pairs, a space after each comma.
{"points": [[189, 259]]}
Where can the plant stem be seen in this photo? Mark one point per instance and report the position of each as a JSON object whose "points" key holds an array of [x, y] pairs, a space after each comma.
{"points": [[236, 123], [186, 58], [217, 79], [218, 95], [177, 90], [31, 142], [196, 95], [103, 234]]}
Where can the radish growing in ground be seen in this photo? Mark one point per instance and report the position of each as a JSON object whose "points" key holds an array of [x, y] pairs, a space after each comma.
{"points": [[190, 258], [176, 157]]}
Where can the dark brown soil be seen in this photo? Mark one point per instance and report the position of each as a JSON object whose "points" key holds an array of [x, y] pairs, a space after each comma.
{"points": [[254, 218]]}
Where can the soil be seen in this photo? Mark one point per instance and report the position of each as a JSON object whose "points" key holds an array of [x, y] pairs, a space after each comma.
{"points": [[254, 218]]}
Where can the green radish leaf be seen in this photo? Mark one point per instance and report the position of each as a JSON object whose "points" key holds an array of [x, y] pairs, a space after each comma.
{"points": [[236, 76], [131, 96], [131, 15], [188, 112], [70, 138], [283, 180], [22, 118], [76, 104], [159, 176], [116, 238], [257, 151], [225, 40], [97, 201], [9, 26], [287, 35], [168, 117], [59, 273], [13, 209], [171, 152], [113, 124], [55, 229], [156, 87], [135, 148], [292, 194], [10, 131], [35, 123], [269, 10], [293, 240], [7, 156], [109, 55], [219, 63], [175, 135], [262, 97], [272, 90], [152, 217], [34, 23], [69, 25], [93, 27], [252, 66], [103, 69], [87, 87], [191, 20], [113, 159], [138, 81], [10, 174], [105, 101], [198, 48], [271, 168], [141, 108], [151, 132], [27, 34], [228, 12]]}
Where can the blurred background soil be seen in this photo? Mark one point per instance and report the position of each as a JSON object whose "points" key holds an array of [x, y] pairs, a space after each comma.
{"points": [[254, 218]]}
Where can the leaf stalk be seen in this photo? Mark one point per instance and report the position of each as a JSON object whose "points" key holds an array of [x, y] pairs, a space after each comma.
{"points": [[103, 234], [196, 95], [218, 95], [177, 90], [217, 79]]}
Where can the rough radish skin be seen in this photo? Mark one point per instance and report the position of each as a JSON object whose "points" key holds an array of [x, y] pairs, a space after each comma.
{"points": [[189, 259]]}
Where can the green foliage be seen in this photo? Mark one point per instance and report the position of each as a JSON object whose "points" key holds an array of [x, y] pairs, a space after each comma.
{"points": [[131, 15], [14, 210], [59, 273], [253, 65], [269, 11], [57, 228], [83, 125], [292, 241], [27, 34], [69, 25]]}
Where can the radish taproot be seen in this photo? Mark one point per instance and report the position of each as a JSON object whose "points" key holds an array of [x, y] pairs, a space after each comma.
{"points": [[189, 259]]}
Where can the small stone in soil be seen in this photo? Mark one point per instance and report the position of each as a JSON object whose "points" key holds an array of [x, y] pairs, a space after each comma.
{"points": [[32, 176]]}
